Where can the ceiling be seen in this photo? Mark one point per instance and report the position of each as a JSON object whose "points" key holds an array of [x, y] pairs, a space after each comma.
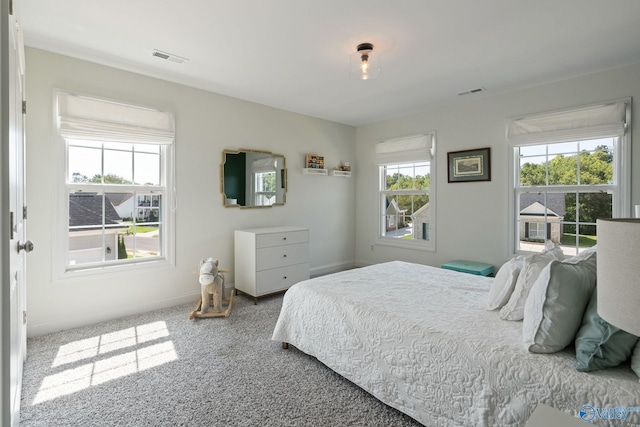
{"points": [[294, 54]]}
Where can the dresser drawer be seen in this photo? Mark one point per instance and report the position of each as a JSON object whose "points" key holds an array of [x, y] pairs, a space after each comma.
{"points": [[278, 279], [284, 238], [280, 256]]}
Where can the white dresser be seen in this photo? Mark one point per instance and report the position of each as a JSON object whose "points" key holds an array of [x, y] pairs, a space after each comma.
{"points": [[269, 260]]}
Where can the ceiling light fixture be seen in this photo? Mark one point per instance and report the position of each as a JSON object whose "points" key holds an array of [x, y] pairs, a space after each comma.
{"points": [[364, 65]]}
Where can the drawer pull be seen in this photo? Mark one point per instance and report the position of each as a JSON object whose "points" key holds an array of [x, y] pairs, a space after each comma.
{"points": [[284, 238], [284, 256], [285, 277]]}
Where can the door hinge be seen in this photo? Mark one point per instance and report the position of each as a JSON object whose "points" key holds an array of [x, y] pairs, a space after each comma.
{"points": [[24, 317], [24, 212], [24, 107], [10, 7]]}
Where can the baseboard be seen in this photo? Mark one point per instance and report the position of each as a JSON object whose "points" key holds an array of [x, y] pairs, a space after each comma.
{"points": [[360, 263], [34, 330], [331, 268]]}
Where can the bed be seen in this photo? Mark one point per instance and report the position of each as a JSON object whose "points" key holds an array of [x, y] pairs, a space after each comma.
{"points": [[421, 340]]}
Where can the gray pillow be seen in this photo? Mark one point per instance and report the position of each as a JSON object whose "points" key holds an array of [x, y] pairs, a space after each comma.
{"points": [[600, 345], [555, 307]]}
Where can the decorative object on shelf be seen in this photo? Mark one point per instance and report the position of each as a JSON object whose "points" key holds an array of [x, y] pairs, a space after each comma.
{"points": [[314, 162], [364, 65], [265, 169], [469, 165], [345, 167], [211, 291]]}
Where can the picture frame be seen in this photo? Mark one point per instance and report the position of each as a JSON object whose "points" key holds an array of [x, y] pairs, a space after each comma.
{"points": [[469, 165]]}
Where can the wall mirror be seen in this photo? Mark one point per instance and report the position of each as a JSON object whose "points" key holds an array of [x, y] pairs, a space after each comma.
{"points": [[252, 179]]}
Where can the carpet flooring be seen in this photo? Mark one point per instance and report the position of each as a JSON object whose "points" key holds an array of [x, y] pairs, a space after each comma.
{"points": [[162, 369]]}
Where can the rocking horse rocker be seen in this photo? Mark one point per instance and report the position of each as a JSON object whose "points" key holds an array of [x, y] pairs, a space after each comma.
{"points": [[212, 292]]}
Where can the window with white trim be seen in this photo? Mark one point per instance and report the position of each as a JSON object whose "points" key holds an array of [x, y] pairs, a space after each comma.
{"points": [[116, 187], [570, 169], [407, 209]]}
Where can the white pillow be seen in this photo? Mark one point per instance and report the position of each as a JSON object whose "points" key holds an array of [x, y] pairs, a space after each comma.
{"points": [[557, 302], [531, 268], [635, 359], [504, 283]]}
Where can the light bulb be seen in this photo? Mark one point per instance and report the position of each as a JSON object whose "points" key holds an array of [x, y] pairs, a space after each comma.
{"points": [[364, 67]]}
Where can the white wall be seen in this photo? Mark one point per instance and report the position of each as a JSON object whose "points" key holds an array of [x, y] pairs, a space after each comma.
{"points": [[472, 218], [206, 124]]}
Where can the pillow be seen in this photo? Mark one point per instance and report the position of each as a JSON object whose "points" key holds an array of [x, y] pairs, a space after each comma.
{"points": [[504, 283], [600, 345], [532, 265], [582, 255], [635, 359], [556, 304]]}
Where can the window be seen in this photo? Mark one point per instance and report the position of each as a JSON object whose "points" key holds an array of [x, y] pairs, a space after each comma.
{"points": [[115, 190], [569, 170], [263, 171], [265, 184], [536, 231], [406, 191]]}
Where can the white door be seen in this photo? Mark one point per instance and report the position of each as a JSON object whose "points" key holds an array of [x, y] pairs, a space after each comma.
{"points": [[18, 246]]}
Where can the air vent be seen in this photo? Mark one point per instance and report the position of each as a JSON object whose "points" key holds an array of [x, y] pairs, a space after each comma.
{"points": [[469, 92], [168, 56]]}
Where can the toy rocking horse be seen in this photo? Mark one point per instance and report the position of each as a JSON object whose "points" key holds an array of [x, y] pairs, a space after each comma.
{"points": [[211, 291]]}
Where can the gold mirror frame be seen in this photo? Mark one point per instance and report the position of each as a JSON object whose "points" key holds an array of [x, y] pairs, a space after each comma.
{"points": [[240, 179]]}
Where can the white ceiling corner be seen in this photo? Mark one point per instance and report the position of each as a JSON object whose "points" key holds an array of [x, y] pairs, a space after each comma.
{"points": [[294, 54]]}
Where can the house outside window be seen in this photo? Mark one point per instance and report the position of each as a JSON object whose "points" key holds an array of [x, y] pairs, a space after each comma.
{"points": [[570, 169], [115, 188], [407, 182]]}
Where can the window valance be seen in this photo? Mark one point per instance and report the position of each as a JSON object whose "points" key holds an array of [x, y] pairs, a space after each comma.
{"points": [[415, 148], [81, 117], [265, 165], [594, 121]]}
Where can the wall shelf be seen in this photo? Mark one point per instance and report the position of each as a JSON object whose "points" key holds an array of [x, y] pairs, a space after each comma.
{"points": [[346, 174], [313, 171]]}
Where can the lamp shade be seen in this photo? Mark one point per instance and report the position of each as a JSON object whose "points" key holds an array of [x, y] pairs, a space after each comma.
{"points": [[619, 273]]}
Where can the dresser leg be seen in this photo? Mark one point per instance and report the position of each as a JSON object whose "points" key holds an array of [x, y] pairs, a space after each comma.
{"points": [[255, 300], [285, 346]]}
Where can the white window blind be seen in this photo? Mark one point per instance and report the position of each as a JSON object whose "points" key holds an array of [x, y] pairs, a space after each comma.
{"points": [[81, 117], [595, 121], [417, 148], [265, 165]]}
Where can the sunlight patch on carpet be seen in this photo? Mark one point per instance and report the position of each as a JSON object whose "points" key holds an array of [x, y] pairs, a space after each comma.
{"points": [[103, 369], [91, 347]]}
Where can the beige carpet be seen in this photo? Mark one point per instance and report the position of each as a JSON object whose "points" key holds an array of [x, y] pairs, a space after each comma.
{"points": [[162, 369]]}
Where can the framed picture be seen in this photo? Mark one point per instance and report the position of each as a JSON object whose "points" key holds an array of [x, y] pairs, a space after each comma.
{"points": [[469, 165]]}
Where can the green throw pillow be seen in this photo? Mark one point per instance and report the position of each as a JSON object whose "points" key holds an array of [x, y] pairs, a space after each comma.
{"points": [[600, 345]]}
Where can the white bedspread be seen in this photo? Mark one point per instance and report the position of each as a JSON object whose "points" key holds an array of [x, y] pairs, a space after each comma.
{"points": [[420, 339]]}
